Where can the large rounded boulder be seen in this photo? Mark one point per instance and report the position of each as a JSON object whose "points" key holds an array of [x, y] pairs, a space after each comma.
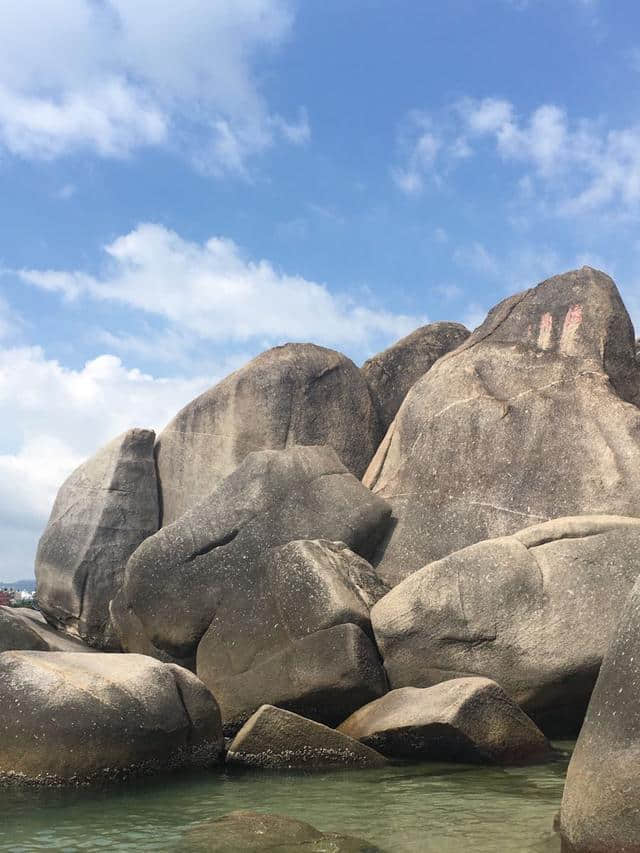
{"points": [[391, 374], [530, 419], [532, 611], [265, 582], [76, 718], [600, 810], [102, 512], [293, 394]]}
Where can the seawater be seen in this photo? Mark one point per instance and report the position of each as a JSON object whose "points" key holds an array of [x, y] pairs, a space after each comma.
{"points": [[431, 808]]}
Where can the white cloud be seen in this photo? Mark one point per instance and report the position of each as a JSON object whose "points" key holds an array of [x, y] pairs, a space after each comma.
{"points": [[114, 75], [52, 418], [419, 147], [213, 291], [575, 166]]}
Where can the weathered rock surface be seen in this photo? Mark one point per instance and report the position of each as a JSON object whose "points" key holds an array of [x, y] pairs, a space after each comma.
{"points": [[252, 832], [465, 719], [273, 738], [22, 629], [391, 374], [294, 394], [533, 611], [600, 812], [74, 718], [103, 511], [529, 419], [253, 593], [323, 676]]}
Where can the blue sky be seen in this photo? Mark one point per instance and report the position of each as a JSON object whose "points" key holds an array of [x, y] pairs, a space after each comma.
{"points": [[185, 187]]}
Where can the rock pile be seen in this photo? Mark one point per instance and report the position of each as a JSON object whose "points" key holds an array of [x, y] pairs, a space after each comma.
{"points": [[446, 605]]}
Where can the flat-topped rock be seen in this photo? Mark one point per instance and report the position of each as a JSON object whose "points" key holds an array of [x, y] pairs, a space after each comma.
{"points": [[102, 512], [533, 611], [465, 719], [23, 629], [528, 420], [274, 738], [293, 394], [70, 718], [391, 374]]}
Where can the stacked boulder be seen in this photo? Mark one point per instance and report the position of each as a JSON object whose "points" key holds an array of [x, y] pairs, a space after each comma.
{"points": [[476, 571]]}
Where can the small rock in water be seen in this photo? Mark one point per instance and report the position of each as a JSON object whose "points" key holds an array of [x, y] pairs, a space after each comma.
{"points": [[466, 719], [252, 832], [277, 739]]}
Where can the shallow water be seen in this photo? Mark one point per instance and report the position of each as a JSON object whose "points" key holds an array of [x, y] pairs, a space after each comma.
{"points": [[431, 808]]}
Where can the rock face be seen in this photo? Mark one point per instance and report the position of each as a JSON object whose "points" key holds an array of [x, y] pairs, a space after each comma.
{"points": [[533, 611], [253, 832], [74, 718], [466, 719], [391, 374], [528, 420], [103, 511], [294, 394], [600, 805], [252, 600], [273, 738], [323, 676], [22, 629]]}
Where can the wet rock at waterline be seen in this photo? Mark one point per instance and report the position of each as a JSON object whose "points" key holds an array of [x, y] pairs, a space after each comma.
{"points": [[253, 832], [391, 374], [293, 394], [273, 738], [600, 805], [466, 719], [102, 512], [251, 599], [74, 718], [528, 420], [532, 611], [22, 629]]}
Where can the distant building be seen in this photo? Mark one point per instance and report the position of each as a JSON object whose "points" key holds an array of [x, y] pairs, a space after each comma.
{"points": [[6, 597]]}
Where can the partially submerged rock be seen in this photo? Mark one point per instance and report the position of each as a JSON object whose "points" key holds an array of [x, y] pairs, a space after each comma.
{"points": [[465, 719], [293, 394], [273, 738], [533, 611], [103, 511], [23, 629], [600, 811], [391, 374], [528, 420], [76, 718], [250, 598], [252, 832]]}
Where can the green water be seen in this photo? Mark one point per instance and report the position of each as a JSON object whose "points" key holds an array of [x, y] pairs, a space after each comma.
{"points": [[429, 808]]}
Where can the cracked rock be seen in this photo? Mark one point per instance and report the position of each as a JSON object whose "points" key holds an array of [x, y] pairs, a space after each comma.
{"points": [[254, 600], [533, 417], [532, 611]]}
